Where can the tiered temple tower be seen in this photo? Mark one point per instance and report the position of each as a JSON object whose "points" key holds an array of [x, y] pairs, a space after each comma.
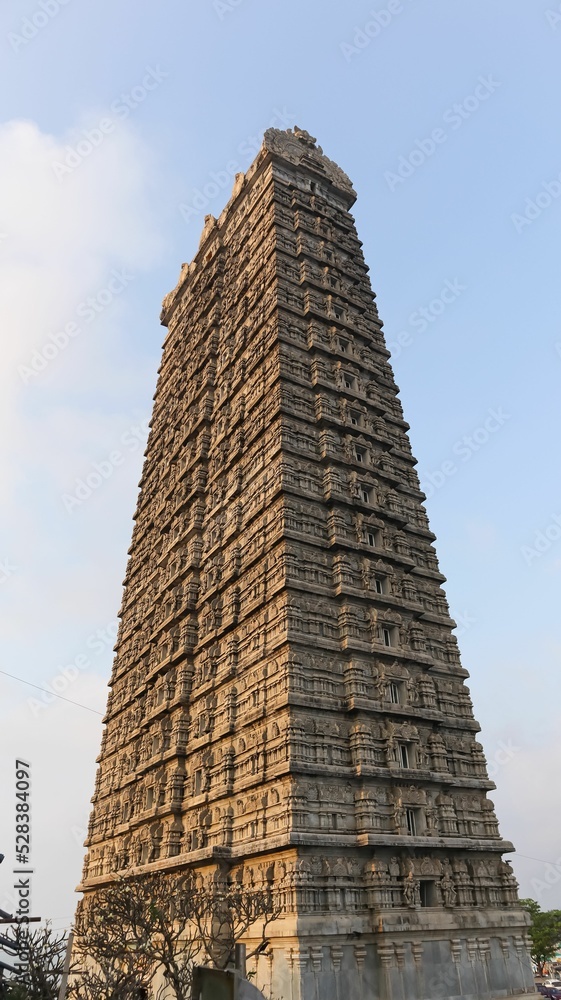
{"points": [[287, 696]]}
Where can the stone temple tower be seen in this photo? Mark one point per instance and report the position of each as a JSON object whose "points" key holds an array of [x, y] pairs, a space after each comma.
{"points": [[287, 696]]}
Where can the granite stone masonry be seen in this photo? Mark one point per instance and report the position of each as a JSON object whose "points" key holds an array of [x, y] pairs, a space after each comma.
{"points": [[287, 700]]}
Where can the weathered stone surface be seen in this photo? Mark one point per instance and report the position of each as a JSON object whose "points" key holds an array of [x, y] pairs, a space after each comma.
{"points": [[287, 694]]}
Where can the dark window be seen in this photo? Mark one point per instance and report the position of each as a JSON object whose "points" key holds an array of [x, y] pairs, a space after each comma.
{"points": [[411, 820], [394, 693], [427, 892]]}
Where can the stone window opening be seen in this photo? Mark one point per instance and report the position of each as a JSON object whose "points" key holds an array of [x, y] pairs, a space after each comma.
{"points": [[427, 892], [394, 693], [355, 418], [388, 636], [365, 493], [404, 755], [412, 821]]}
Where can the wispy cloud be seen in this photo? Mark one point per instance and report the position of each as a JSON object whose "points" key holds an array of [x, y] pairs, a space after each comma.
{"points": [[67, 245]]}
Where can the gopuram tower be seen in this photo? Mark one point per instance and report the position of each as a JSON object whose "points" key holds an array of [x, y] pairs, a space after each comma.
{"points": [[287, 697]]}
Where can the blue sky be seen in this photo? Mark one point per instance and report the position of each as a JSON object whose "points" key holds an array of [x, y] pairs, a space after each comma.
{"points": [[120, 129]]}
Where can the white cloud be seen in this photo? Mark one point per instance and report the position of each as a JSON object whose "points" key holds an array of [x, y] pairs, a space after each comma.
{"points": [[66, 240], [64, 237], [524, 798]]}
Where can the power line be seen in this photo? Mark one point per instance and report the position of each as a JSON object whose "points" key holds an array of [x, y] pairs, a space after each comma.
{"points": [[541, 860], [52, 693]]}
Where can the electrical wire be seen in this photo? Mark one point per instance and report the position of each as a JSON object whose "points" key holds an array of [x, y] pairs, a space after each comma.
{"points": [[52, 693], [541, 860]]}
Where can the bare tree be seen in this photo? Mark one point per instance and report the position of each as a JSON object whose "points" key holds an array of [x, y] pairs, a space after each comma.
{"points": [[41, 952], [111, 940], [225, 914], [155, 927], [108, 978]]}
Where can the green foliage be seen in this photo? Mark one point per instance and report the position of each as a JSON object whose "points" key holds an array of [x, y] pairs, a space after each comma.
{"points": [[15, 991], [545, 932]]}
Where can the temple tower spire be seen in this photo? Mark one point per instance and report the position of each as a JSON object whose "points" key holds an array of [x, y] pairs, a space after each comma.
{"points": [[287, 697]]}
